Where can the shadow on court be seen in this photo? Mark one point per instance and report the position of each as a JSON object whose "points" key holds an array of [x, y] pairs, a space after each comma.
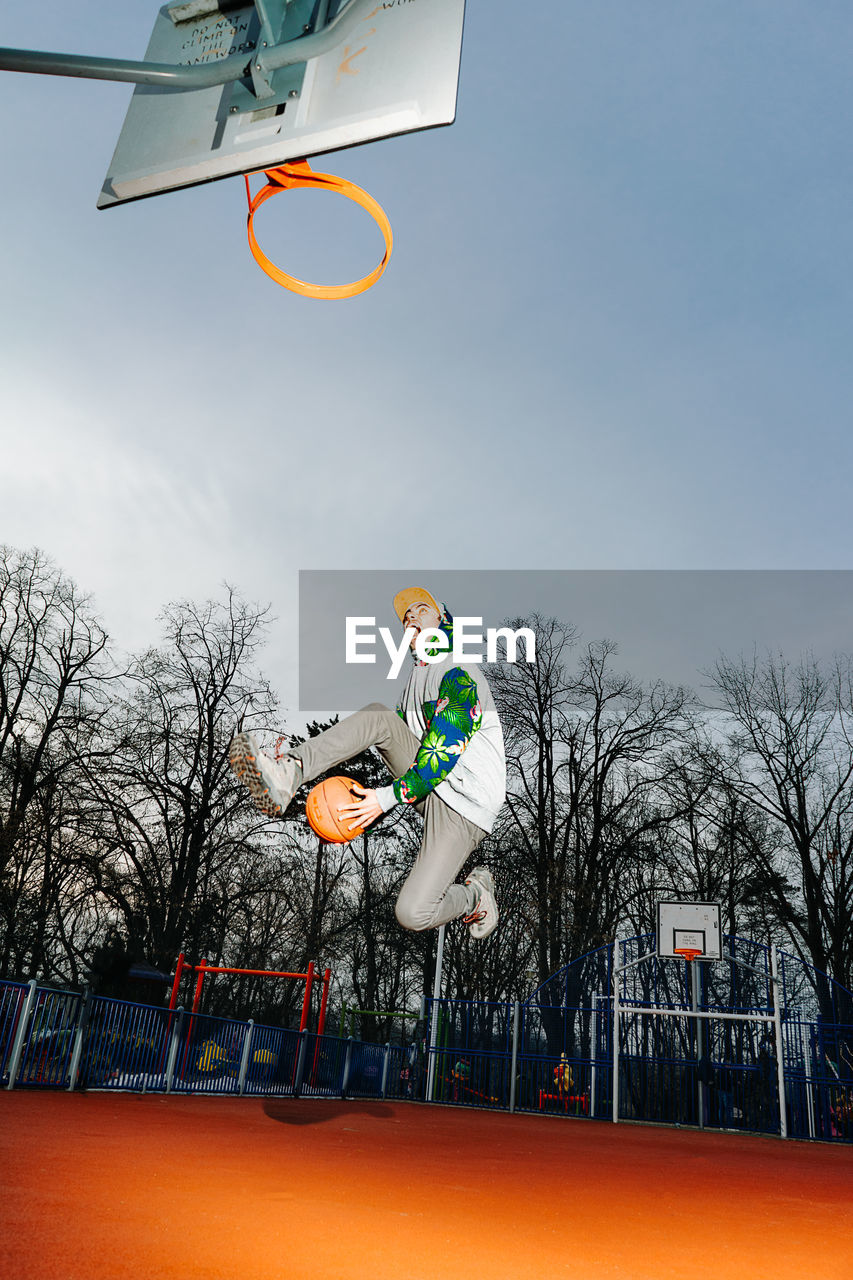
{"points": [[296, 1111]]}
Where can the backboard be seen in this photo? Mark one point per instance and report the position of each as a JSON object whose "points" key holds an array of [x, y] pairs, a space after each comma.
{"points": [[395, 70], [690, 925]]}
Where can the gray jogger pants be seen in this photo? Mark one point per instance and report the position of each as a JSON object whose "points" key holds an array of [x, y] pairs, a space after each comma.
{"points": [[429, 897]]}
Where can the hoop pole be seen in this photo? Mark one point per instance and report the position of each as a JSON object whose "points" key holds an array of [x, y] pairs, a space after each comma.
{"points": [[433, 1024], [632, 964], [713, 1016], [173, 76], [700, 1046], [306, 1001]]}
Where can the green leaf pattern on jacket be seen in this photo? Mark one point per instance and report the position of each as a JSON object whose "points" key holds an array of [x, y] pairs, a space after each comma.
{"points": [[451, 721]]}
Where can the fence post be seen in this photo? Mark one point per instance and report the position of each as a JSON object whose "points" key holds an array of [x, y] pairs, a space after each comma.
{"points": [[173, 1050], [616, 973], [20, 1033], [780, 1051], [812, 1076], [516, 1019], [300, 1064], [347, 1066], [593, 1073], [385, 1070], [244, 1061], [77, 1051]]}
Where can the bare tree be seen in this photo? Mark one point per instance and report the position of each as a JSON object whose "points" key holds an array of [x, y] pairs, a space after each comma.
{"points": [[587, 753], [53, 671], [791, 757], [712, 847], [176, 830]]}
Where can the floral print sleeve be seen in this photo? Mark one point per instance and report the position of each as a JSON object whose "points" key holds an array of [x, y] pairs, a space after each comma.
{"points": [[456, 716]]}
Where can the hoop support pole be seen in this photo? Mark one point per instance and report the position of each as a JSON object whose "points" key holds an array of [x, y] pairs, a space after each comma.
{"points": [[195, 77], [698, 1013], [434, 1014]]}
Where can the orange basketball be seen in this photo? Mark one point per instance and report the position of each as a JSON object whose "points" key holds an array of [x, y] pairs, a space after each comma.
{"points": [[321, 809]]}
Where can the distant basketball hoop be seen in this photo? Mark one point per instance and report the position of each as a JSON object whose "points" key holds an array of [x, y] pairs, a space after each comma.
{"points": [[689, 930]]}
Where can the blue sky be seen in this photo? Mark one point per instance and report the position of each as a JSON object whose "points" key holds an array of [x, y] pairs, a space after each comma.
{"points": [[614, 333]]}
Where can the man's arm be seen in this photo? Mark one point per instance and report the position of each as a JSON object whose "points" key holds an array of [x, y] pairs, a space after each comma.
{"points": [[457, 717]]}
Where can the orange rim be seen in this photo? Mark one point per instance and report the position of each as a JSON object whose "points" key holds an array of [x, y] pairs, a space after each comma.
{"points": [[299, 174]]}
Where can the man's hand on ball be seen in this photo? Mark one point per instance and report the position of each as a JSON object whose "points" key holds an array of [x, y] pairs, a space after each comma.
{"points": [[366, 810]]}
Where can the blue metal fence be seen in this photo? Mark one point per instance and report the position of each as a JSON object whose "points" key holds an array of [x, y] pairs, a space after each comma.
{"points": [[271, 1060], [122, 1045], [12, 999], [58, 1039], [46, 1038], [471, 1057]]}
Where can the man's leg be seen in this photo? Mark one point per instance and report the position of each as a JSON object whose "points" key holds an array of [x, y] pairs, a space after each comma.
{"points": [[430, 897], [273, 783], [373, 726]]}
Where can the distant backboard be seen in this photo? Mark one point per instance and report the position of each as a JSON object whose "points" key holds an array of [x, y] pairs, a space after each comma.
{"points": [[690, 925], [396, 71]]}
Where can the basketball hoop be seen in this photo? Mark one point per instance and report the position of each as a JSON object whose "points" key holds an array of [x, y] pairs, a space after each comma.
{"points": [[688, 953], [298, 173]]}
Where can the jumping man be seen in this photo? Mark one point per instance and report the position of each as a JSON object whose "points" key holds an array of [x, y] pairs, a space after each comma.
{"points": [[444, 748]]}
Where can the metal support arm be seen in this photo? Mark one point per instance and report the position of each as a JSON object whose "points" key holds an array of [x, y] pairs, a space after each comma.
{"points": [[235, 67]]}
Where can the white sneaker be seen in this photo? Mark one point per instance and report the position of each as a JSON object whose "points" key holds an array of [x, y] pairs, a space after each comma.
{"points": [[483, 920], [272, 783]]}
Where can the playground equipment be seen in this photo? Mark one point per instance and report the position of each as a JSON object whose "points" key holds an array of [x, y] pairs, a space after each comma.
{"points": [[203, 968], [565, 1096], [350, 1013]]}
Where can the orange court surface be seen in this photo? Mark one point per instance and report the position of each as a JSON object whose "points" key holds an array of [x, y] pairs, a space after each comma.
{"points": [[106, 1186]]}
